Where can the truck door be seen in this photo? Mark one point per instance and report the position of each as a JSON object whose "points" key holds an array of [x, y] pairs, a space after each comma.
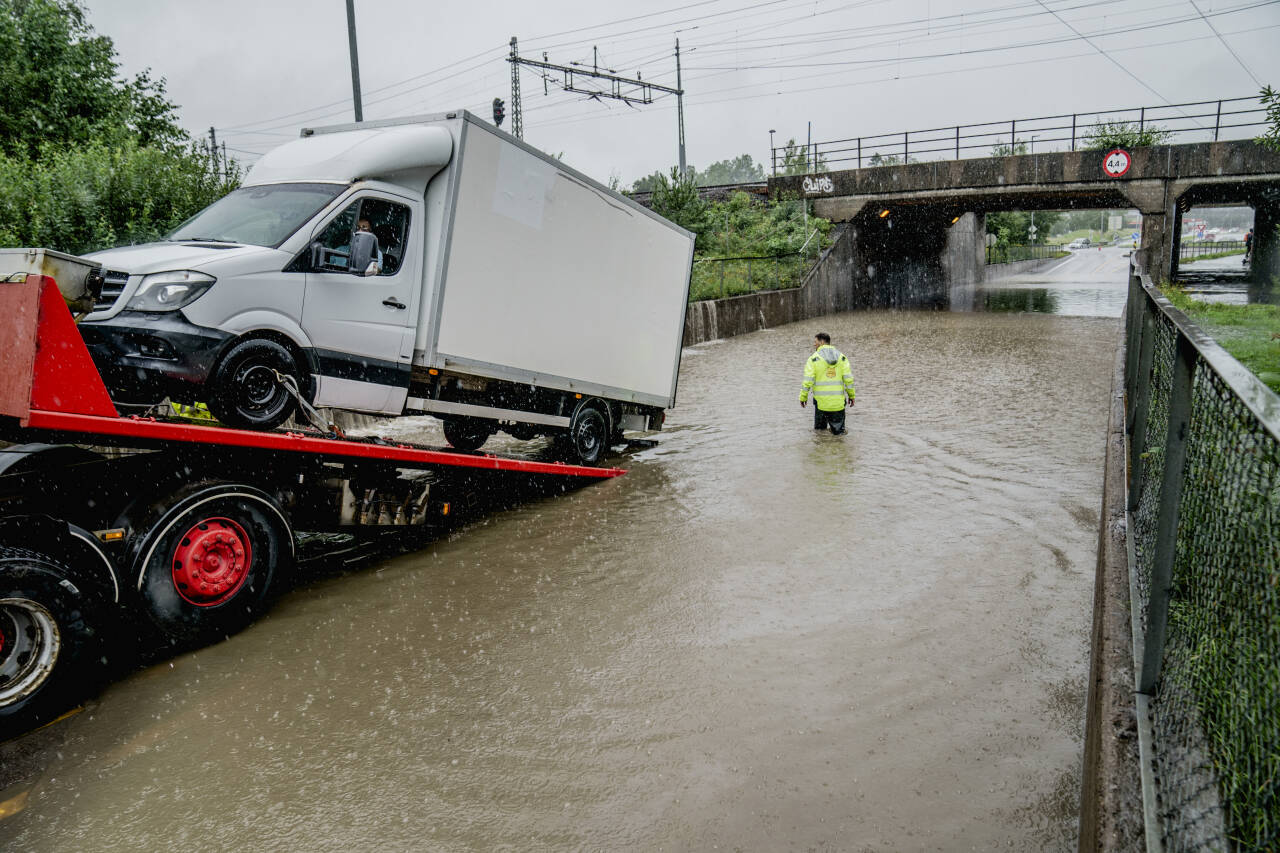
{"points": [[361, 322]]}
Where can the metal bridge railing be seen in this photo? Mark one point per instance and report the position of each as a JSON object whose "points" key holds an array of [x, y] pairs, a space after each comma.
{"points": [[1222, 248], [715, 278], [1009, 254], [1204, 528], [1199, 121]]}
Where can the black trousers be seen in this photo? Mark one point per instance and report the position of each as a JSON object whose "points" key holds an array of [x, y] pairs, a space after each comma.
{"points": [[829, 420]]}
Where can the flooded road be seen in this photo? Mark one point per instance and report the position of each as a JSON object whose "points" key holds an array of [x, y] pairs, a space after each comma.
{"points": [[1086, 283], [761, 638]]}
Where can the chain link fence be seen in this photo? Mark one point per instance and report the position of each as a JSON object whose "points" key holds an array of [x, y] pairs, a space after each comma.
{"points": [[715, 278], [1204, 503]]}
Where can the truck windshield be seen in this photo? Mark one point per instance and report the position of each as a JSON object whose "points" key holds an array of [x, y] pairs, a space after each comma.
{"points": [[257, 216]]}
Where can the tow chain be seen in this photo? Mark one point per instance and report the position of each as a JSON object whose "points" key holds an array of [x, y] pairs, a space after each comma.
{"points": [[314, 417]]}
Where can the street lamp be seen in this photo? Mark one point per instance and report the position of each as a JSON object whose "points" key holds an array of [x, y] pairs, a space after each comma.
{"points": [[773, 158]]}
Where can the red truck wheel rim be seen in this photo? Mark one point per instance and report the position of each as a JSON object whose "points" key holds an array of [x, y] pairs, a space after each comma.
{"points": [[211, 562]]}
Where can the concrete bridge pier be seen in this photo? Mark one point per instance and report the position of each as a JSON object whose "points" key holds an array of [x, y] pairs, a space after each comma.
{"points": [[1264, 276], [1161, 224]]}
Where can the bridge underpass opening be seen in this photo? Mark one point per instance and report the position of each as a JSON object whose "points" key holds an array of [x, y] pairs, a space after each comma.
{"points": [[1240, 208], [936, 256]]}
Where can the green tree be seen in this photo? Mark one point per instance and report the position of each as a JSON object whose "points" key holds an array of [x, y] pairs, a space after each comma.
{"points": [[739, 170], [89, 159], [1004, 149], [675, 196], [797, 160], [1013, 227], [61, 88], [1123, 134], [1271, 101]]}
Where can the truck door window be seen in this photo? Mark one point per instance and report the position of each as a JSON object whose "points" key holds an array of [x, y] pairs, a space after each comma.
{"points": [[388, 221], [335, 241]]}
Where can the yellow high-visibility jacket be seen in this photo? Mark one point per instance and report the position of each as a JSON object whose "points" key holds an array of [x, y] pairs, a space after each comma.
{"points": [[828, 375]]}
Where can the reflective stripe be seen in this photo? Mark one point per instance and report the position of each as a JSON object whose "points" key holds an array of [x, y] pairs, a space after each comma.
{"points": [[837, 383]]}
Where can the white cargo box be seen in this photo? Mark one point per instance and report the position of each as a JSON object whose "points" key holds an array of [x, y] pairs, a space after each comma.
{"points": [[537, 274]]}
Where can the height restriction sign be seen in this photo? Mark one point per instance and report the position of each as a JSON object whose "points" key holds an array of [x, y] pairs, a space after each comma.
{"points": [[1117, 162]]}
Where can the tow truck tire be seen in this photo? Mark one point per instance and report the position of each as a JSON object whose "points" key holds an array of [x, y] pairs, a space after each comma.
{"points": [[207, 559], [46, 639], [466, 433], [244, 391]]}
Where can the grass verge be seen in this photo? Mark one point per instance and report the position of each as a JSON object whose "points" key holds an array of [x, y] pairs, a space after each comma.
{"points": [[1251, 333]]}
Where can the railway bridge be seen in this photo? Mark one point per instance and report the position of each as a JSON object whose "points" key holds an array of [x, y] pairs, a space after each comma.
{"points": [[918, 221]]}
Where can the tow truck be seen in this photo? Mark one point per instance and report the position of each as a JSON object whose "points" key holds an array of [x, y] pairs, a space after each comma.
{"points": [[177, 529]]}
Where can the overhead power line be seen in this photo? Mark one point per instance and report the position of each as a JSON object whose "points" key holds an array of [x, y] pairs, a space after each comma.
{"points": [[1246, 68]]}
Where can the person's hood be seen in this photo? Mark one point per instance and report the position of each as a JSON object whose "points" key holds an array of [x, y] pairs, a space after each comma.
{"points": [[829, 354]]}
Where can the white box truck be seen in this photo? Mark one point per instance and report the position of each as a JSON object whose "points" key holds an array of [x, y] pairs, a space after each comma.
{"points": [[427, 265]]}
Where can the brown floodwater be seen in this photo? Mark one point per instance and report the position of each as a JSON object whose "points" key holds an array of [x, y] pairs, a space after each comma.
{"points": [[761, 638]]}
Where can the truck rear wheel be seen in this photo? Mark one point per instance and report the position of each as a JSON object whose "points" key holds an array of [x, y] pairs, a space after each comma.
{"points": [[244, 392], [589, 434], [45, 639], [466, 433], [207, 559]]}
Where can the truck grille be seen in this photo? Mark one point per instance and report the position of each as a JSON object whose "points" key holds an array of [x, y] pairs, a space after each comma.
{"points": [[112, 286]]}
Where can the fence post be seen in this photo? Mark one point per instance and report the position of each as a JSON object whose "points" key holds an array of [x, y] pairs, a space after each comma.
{"points": [[906, 146], [1140, 396], [773, 155], [1142, 119], [722, 263], [749, 287], [859, 152], [1013, 135], [1073, 131], [1175, 459], [957, 142], [1217, 121]]}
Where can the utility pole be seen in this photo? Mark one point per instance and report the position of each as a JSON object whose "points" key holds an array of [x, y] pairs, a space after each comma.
{"points": [[517, 117], [226, 164], [355, 59], [213, 149], [680, 108], [640, 91]]}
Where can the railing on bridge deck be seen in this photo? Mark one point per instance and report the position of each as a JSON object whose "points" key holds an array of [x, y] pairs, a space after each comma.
{"points": [[1009, 254], [1199, 121], [1204, 527], [1207, 250]]}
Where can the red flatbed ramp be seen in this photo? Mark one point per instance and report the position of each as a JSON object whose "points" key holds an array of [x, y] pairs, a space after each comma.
{"points": [[52, 386]]}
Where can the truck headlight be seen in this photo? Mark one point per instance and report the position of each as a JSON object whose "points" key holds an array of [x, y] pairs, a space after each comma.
{"points": [[169, 291]]}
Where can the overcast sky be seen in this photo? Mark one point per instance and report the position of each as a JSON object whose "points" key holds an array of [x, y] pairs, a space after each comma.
{"points": [[258, 70]]}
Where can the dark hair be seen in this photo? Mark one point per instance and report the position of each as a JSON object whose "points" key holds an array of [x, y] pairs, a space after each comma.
{"points": [[824, 337]]}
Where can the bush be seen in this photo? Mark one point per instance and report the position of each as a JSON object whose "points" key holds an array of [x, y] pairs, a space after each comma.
{"points": [[1106, 135], [102, 195]]}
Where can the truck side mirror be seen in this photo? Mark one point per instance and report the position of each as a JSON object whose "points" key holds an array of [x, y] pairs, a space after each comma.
{"points": [[317, 254], [364, 250]]}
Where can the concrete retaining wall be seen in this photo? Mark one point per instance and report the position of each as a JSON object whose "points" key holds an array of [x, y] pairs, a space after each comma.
{"points": [[825, 290], [996, 272]]}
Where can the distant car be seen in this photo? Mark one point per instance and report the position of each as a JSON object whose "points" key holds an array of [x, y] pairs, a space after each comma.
{"points": [[1082, 243]]}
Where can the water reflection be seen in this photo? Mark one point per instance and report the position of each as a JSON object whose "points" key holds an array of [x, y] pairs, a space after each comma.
{"points": [[1066, 301]]}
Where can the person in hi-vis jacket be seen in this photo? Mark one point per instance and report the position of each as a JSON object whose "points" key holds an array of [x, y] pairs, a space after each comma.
{"points": [[828, 375]]}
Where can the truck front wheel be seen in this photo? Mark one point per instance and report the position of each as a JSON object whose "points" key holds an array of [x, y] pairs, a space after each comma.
{"points": [[207, 559], [46, 636], [244, 390]]}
